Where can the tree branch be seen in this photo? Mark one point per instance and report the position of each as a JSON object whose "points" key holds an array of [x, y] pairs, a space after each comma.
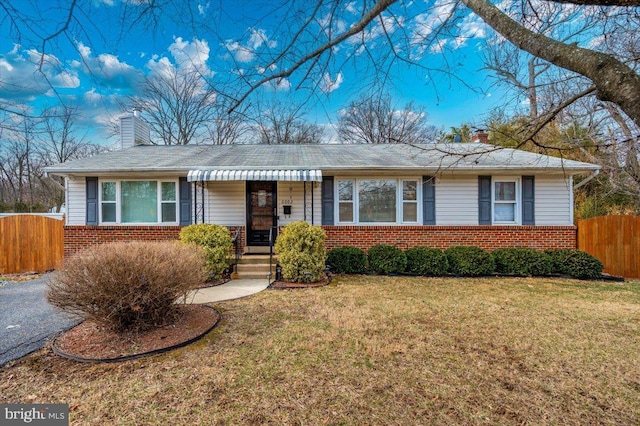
{"points": [[614, 80], [379, 7]]}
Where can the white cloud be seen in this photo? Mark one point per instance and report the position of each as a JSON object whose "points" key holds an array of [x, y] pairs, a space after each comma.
{"points": [[280, 85], [473, 27], [438, 46], [202, 8], [239, 52], [247, 52], [191, 55], [327, 85], [28, 73], [161, 67], [92, 96], [108, 70], [351, 7]]}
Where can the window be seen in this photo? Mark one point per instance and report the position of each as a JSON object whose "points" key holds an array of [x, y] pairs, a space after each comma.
{"points": [[505, 201], [108, 205], [169, 199], [138, 201], [377, 201], [409, 201], [345, 200]]}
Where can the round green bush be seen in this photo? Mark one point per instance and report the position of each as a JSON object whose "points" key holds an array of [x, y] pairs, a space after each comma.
{"points": [[385, 259], [301, 252], [576, 263], [522, 262], [128, 286], [469, 261], [347, 260], [216, 242], [427, 261]]}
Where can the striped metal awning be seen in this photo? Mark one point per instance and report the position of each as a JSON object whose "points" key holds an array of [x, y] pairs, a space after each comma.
{"points": [[271, 175]]}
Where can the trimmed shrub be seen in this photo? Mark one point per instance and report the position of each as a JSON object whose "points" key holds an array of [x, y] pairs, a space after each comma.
{"points": [[216, 242], [469, 261], [576, 263], [301, 252], [347, 260], [560, 260], [427, 261], [521, 261], [385, 259], [130, 286]]}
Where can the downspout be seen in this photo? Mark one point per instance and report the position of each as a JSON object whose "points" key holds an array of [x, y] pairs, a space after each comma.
{"points": [[582, 183], [585, 181]]}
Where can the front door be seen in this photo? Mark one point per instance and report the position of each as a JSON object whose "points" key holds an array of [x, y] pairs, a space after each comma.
{"points": [[261, 212]]}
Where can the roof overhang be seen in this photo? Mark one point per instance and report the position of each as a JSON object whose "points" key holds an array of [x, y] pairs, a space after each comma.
{"points": [[263, 175]]}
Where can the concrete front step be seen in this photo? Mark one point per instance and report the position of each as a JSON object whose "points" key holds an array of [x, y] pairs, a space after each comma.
{"points": [[252, 276], [256, 259], [255, 267]]}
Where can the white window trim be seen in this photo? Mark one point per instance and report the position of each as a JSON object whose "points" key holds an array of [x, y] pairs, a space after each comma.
{"points": [[517, 203], [159, 203], [356, 200], [354, 197]]}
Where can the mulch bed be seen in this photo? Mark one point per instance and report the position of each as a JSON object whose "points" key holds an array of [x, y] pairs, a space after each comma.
{"points": [[93, 343], [280, 285]]}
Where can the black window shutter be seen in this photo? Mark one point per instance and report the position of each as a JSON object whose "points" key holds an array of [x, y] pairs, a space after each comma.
{"points": [[185, 201], [327, 200], [528, 200], [484, 200], [428, 200], [92, 200]]}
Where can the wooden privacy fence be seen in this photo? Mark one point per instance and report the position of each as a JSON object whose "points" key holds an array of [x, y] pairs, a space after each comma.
{"points": [[30, 243], [615, 240]]}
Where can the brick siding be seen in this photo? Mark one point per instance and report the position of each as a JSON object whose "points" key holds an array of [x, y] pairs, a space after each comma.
{"points": [[77, 238], [486, 237]]}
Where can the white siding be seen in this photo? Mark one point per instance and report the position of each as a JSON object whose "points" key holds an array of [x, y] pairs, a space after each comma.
{"points": [[76, 201], [553, 200], [293, 193], [225, 203], [457, 200]]}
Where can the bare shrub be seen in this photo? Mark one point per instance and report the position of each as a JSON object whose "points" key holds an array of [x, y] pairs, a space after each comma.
{"points": [[130, 286]]}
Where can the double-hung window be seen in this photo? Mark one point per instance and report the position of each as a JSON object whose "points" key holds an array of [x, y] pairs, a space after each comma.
{"points": [[378, 201], [138, 201], [409, 200], [505, 201], [108, 209], [345, 200]]}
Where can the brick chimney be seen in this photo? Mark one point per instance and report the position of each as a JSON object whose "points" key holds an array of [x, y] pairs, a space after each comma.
{"points": [[480, 136], [134, 130]]}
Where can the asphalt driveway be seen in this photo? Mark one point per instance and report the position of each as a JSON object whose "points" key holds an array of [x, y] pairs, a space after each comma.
{"points": [[27, 320]]}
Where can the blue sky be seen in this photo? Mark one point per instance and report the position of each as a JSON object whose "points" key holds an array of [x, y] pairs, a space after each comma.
{"points": [[100, 60]]}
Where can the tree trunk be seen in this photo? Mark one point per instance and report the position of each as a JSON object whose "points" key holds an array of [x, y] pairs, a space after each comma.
{"points": [[614, 81]]}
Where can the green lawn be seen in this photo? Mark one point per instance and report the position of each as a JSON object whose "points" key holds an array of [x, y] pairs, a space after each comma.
{"points": [[376, 350]]}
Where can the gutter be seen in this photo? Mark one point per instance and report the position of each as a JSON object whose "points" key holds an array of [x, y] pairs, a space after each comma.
{"points": [[585, 181]]}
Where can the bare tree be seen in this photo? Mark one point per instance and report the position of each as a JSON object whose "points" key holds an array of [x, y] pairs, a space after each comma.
{"points": [[304, 48], [376, 120], [279, 123], [179, 106], [226, 127], [59, 141], [27, 147]]}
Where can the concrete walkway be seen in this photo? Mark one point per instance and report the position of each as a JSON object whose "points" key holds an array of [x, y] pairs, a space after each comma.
{"points": [[234, 289]]}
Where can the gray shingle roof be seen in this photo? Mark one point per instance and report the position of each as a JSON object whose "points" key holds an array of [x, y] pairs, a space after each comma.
{"points": [[326, 157]]}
